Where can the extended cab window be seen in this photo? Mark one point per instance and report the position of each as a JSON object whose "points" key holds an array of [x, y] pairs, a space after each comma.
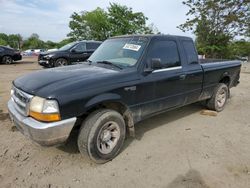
{"points": [[80, 47], [190, 51], [92, 45], [166, 51]]}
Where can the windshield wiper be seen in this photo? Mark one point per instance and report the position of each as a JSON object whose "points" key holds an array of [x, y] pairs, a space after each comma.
{"points": [[89, 61], [110, 63]]}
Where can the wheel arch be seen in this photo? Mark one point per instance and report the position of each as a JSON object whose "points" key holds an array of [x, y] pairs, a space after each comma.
{"points": [[6, 55], [112, 101], [225, 78], [59, 57]]}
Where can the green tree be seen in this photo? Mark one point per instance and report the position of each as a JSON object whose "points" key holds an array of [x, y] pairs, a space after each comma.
{"points": [[248, 29], [215, 23], [49, 44], [33, 42], [15, 41], [3, 42], [89, 25], [3, 39], [240, 48], [100, 24], [64, 42], [124, 21]]}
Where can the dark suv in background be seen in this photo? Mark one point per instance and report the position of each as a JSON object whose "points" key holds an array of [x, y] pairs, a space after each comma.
{"points": [[71, 53], [8, 55]]}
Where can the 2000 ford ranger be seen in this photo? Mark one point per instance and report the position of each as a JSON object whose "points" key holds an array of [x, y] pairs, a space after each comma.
{"points": [[126, 79]]}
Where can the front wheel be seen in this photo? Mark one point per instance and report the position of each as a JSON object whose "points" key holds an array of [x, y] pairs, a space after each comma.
{"points": [[219, 99], [102, 135], [7, 60], [61, 62]]}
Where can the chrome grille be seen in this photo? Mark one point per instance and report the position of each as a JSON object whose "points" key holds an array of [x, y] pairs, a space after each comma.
{"points": [[21, 101]]}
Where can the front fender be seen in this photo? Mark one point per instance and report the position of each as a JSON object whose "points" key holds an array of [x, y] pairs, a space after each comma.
{"points": [[102, 98], [112, 97]]}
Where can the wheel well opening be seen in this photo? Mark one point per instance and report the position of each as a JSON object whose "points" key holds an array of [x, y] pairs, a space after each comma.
{"points": [[119, 107], [225, 80]]}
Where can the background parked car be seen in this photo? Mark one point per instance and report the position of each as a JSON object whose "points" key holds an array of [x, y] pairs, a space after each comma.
{"points": [[243, 59], [68, 54], [28, 52], [8, 55], [38, 51]]}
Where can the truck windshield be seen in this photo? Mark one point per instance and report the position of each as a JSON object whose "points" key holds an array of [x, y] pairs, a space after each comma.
{"points": [[123, 52], [67, 46]]}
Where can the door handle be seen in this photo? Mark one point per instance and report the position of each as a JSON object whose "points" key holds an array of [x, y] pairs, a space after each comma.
{"points": [[182, 77]]}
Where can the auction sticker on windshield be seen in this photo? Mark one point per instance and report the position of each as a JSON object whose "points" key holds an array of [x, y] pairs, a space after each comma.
{"points": [[133, 47]]}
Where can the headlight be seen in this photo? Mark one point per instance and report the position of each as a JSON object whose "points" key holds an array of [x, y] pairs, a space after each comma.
{"points": [[44, 110], [48, 56], [11, 92]]}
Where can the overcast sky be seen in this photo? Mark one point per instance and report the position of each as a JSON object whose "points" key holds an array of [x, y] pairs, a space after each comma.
{"points": [[50, 18]]}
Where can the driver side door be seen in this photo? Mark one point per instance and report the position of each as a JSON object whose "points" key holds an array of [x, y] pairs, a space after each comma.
{"points": [[78, 53], [164, 86]]}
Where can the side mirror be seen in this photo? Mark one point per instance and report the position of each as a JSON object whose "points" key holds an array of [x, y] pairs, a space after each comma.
{"points": [[156, 63], [152, 65], [73, 50]]}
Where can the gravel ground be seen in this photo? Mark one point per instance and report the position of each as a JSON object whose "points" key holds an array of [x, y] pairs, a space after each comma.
{"points": [[177, 149]]}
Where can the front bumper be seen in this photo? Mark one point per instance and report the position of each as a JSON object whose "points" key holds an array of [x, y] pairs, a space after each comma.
{"points": [[17, 57], [45, 63], [46, 134]]}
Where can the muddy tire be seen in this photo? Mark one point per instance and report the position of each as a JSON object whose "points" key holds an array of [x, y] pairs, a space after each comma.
{"points": [[102, 135], [219, 99], [60, 62], [7, 60]]}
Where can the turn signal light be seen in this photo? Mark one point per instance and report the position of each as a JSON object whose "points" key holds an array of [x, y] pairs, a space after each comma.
{"points": [[45, 117]]}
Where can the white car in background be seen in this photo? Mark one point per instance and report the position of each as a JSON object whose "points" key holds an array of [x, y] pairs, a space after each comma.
{"points": [[38, 51], [243, 59], [28, 52]]}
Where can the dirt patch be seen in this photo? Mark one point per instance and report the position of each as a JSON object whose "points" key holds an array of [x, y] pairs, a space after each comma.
{"points": [[3, 116], [239, 171], [191, 179], [209, 113]]}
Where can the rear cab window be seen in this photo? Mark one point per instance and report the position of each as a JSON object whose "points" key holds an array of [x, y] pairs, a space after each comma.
{"points": [[92, 45], [190, 51]]}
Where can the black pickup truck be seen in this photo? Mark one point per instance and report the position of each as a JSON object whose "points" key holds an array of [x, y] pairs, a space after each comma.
{"points": [[126, 80]]}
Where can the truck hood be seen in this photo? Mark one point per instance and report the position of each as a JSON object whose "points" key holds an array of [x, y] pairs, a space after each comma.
{"points": [[47, 81]]}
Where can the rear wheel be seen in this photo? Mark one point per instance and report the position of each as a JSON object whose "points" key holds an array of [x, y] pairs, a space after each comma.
{"points": [[7, 60], [102, 135], [219, 99], [61, 62]]}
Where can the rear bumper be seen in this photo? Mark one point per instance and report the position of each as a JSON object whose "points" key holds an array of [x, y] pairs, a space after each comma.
{"points": [[46, 134]]}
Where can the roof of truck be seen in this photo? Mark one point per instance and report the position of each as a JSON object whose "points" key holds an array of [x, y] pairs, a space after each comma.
{"points": [[94, 41], [153, 36]]}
